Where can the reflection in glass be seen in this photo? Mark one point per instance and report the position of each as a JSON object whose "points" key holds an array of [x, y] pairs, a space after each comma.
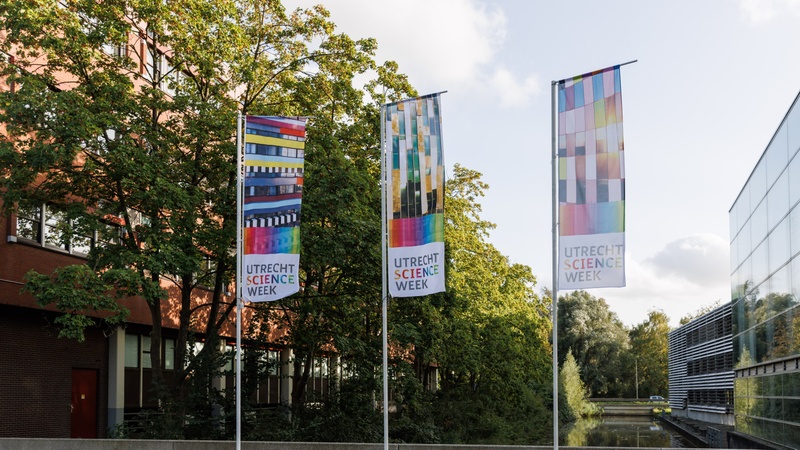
{"points": [[758, 183], [760, 263], [778, 201], [55, 225], [777, 155], [29, 222], [759, 226]]}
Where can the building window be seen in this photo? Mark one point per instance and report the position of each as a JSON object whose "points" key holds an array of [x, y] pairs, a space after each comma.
{"points": [[29, 223], [131, 350], [138, 369], [49, 227]]}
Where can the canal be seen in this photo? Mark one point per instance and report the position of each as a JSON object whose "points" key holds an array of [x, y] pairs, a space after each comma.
{"points": [[621, 432]]}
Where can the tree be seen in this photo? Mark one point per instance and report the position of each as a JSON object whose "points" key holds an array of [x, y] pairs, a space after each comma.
{"points": [[596, 338], [490, 332], [575, 391], [649, 345], [143, 156], [147, 159]]}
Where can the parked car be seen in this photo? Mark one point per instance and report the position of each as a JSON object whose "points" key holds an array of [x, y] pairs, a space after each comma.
{"points": [[656, 398]]}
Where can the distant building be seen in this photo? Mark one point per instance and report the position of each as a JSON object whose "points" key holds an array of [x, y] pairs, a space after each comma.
{"points": [[765, 281], [701, 368]]}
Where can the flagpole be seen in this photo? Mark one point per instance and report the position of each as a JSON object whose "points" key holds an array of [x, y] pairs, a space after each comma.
{"points": [[554, 308], [239, 194], [384, 297]]}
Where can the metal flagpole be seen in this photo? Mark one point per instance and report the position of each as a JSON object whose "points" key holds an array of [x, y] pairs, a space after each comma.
{"points": [[554, 308], [239, 194], [384, 296], [554, 163]]}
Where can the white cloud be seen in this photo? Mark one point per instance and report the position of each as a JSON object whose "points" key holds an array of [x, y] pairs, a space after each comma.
{"points": [[701, 259], [686, 275], [442, 40], [442, 45], [513, 92], [758, 12]]}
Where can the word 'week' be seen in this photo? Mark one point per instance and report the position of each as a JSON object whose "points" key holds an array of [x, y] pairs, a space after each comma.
{"points": [[411, 273]]}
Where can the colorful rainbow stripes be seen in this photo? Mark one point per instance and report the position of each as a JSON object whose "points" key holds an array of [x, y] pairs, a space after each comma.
{"points": [[273, 184], [270, 240], [415, 172], [416, 231], [590, 152]]}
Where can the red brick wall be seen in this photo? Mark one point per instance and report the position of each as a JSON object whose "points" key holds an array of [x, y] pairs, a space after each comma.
{"points": [[36, 375]]}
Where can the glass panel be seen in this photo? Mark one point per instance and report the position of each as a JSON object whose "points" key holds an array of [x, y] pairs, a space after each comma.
{"points": [[760, 350], [780, 343], [793, 129], [146, 363], [734, 253], [758, 183], [169, 354], [274, 362], [745, 277], [791, 410], [794, 220], [131, 350], [779, 246], [55, 225], [81, 243], [744, 241], [743, 209], [793, 317], [779, 282], [791, 385], [29, 223], [760, 263], [778, 201], [758, 223], [777, 155], [737, 316], [794, 181]]}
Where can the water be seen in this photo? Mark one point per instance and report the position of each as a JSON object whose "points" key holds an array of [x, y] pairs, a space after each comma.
{"points": [[621, 432]]}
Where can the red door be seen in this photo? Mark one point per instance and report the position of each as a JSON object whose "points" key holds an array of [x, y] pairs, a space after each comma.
{"points": [[84, 403]]}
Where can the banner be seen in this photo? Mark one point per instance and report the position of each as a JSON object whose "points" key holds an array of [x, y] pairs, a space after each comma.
{"points": [[273, 188], [415, 204], [591, 181]]}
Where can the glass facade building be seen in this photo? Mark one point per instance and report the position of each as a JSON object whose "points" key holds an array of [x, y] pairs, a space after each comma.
{"points": [[765, 284]]}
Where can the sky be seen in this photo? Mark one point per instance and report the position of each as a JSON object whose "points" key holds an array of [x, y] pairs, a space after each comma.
{"points": [[712, 82]]}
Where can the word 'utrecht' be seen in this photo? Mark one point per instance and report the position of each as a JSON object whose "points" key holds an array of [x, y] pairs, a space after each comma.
{"points": [[270, 268], [417, 261], [593, 250]]}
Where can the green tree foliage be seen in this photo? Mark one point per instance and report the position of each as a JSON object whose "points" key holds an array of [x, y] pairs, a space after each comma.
{"points": [[575, 391], [144, 157], [148, 151], [598, 341], [492, 341], [649, 345]]}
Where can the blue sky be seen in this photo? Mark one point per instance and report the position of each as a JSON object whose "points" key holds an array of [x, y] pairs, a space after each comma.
{"points": [[713, 80]]}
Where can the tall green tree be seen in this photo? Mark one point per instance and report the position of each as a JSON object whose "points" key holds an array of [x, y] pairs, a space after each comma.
{"points": [[597, 339], [577, 402], [649, 345], [491, 342]]}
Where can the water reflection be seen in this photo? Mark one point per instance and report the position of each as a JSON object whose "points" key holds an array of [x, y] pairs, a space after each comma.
{"points": [[620, 432]]}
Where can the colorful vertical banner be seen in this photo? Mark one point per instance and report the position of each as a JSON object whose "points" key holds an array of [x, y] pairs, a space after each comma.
{"points": [[415, 202], [591, 181], [273, 187]]}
